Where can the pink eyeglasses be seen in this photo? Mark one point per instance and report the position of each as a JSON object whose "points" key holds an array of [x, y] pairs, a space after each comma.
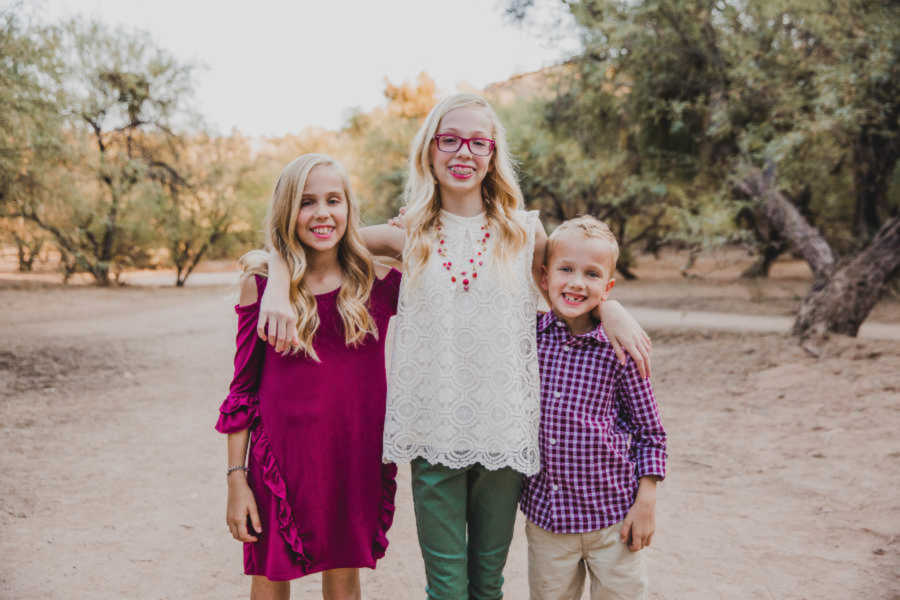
{"points": [[447, 142]]}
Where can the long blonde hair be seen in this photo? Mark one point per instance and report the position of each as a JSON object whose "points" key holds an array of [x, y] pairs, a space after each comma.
{"points": [[358, 271], [499, 191]]}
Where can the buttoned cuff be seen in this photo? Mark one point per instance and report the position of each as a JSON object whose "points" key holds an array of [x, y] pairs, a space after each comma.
{"points": [[651, 462]]}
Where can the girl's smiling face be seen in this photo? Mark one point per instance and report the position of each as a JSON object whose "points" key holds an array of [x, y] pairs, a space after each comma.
{"points": [[462, 171], [322, 220]]}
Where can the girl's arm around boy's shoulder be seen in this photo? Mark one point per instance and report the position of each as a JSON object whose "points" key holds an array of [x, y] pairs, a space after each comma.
{"points": [[625, 334]]}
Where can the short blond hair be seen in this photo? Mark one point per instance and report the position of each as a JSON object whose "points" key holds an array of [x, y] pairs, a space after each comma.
{"points": [[591, 228]]}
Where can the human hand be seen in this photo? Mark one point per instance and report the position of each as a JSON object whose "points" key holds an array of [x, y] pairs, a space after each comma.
{"points": [[626, 335], [241, 504], [640, 522], [398, 220], [277, 322]]}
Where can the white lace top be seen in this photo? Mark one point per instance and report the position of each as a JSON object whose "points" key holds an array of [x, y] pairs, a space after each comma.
{"points": [[463, 385]]}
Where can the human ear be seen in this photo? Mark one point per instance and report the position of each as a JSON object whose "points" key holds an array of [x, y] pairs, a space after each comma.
{"points": [[545, 285], [609, 286]]}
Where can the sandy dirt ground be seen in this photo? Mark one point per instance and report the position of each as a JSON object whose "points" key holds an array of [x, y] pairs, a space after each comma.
{"points": [[784, 468]]}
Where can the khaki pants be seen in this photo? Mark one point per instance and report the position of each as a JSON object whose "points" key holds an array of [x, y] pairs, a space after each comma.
{"points": [[557, 563]]}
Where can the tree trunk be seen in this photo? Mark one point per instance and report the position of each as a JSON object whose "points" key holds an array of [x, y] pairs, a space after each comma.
{"points": [[844, 302], [760, 268], [841, 298], [100, 272], [784, 217], [873, 163], [27, 251]]}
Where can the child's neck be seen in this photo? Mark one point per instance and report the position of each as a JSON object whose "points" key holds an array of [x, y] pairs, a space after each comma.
{"points": [[463, 204], [578, 325], [323, 271]]}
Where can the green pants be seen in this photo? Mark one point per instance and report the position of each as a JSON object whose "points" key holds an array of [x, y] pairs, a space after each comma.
{"points": [[450, 501]]}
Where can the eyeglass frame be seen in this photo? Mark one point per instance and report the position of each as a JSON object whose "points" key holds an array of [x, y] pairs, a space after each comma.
{"points": [[437, 138]]}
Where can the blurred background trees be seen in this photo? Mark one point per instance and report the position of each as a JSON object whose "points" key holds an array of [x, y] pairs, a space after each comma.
{"points": [[782, 114], [685, 124]]}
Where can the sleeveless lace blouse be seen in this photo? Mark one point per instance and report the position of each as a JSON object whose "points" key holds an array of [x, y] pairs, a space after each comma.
{"points": [[463, 384]]}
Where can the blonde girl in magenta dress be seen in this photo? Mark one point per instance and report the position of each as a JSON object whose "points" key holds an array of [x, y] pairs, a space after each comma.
{"points": [[463, 390], [314, 495]]}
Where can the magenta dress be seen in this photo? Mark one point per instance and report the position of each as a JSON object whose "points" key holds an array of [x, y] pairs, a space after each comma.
{"points": [[325, 499]]}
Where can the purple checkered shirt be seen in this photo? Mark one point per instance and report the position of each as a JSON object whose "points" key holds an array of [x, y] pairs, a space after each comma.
{"points": [[600, 432]]}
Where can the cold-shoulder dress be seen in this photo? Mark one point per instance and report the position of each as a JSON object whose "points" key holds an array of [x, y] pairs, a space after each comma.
{"points": [[325, 498]]}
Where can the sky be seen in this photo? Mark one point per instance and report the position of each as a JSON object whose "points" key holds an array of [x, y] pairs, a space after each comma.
{"points": [[276, 67]]}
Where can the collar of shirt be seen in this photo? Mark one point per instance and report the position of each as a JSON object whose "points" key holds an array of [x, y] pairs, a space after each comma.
{"points": [[550, 324], [471, 224]]}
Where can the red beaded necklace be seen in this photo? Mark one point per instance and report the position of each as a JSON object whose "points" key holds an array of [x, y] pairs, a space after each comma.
{"points": [[475, 262]]}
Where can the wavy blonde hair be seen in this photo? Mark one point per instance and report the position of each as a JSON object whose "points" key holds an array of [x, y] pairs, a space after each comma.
{"points": [[499, 191], [358, 271]]}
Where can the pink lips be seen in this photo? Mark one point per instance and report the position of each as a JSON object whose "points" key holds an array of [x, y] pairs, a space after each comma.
{"points": [[456, 175], [322, 236], [570, 302]]}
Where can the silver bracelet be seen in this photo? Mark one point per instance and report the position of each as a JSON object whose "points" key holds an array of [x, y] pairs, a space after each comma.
{"points": [[233, 468]]}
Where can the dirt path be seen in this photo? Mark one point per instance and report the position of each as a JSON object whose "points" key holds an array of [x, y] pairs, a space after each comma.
{"points": [[661, 318], [783, 471]]}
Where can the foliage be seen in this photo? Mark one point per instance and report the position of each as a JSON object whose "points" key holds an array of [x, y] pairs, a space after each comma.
{"points": [[696, 91], [380, 142], [122, 98], [571, 167], [199, 204], [29, 114], [735, 92], [29, 241]]}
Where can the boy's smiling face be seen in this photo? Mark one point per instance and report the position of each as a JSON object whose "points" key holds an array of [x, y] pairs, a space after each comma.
{"points": [[577, 278]]}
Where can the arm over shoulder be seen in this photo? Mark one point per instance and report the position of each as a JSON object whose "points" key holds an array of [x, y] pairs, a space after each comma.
{"points": [[249, 293], [384, 240]]}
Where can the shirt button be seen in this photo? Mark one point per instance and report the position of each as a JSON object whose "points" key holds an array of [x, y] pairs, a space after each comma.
{"points": [[555, 487], [552, 441], [566, 348], [557, 394]]}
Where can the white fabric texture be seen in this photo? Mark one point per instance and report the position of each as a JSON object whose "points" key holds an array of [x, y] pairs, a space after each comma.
{"points": [[463, 385]]}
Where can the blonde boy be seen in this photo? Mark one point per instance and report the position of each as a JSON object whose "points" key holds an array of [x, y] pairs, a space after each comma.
{"points": [[603, 448]]}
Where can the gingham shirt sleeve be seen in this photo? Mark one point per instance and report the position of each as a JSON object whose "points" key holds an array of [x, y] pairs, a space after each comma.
{"points": [[639, 414]]}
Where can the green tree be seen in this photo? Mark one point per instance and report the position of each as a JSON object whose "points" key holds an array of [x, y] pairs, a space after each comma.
{"points": [[29, 241], [30, 110], [200, 204], [380, 141], [123, 95], [779, 100]]}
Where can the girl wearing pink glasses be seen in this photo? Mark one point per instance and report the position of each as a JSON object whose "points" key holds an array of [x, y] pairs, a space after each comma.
{"points": [[463, 403]]}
